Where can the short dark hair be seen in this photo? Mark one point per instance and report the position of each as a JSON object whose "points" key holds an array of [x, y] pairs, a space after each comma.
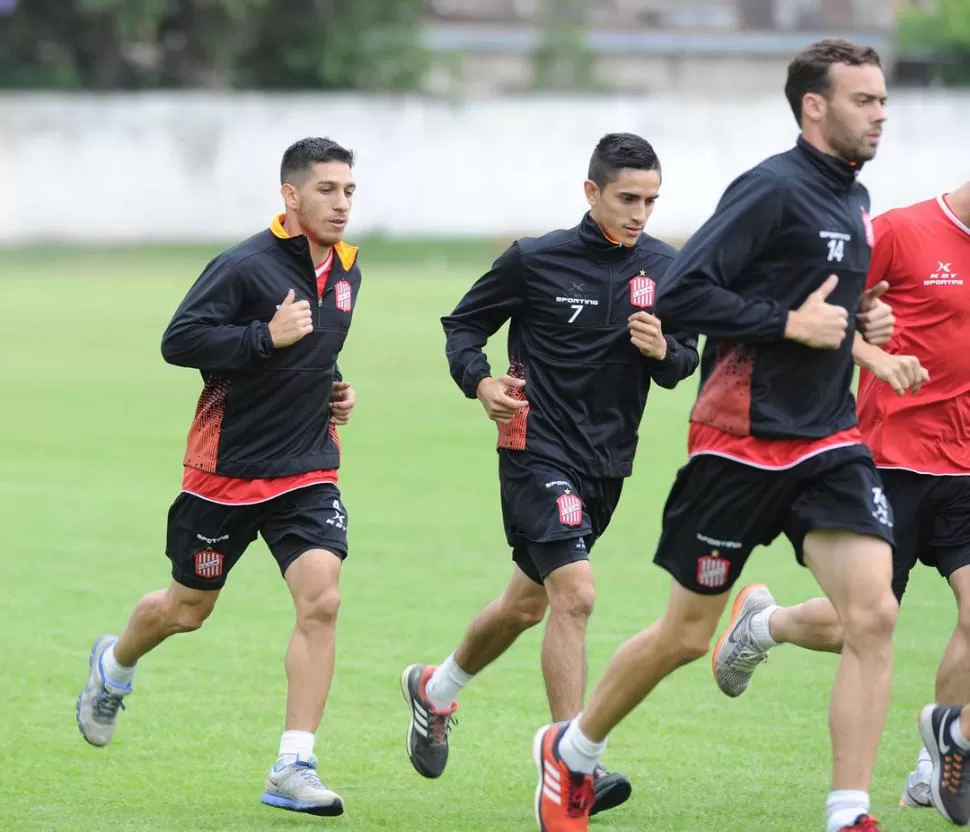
{"points": [[616, 151], [809, 71], [300, 156]]}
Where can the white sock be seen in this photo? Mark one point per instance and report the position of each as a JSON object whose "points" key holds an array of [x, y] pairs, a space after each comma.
{"points": [[924, 762], [761, 628], [446, 683], [116, 676], [578, 752], [843, 807], [296, 745], [957, 735]]}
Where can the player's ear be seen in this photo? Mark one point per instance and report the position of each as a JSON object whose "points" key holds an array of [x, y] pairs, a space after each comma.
{"points": [[291, 197], [813, 107], [592, 192]]}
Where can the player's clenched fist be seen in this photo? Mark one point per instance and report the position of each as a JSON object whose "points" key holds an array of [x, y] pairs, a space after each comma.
{"points": [[647, 335], [502, 397], [292, 321], [818, 323]]}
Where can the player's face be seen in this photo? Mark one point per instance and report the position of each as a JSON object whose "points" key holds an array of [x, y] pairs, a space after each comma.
{"points": [[623, 207], [855, 112], [322, 202]]}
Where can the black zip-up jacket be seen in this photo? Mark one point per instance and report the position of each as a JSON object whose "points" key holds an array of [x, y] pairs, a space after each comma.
{"points": [[263, 412], [778, 232], [568, 295]]}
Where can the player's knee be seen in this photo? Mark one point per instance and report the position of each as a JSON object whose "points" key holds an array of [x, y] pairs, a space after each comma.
{"points": [[576, 601], [873, 620], [524, 613], [692, 645], [188, 616], [319, 608]]}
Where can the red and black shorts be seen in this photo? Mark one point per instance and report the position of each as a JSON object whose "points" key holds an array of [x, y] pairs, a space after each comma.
{"points": [[206, 539], [553, 514], [718, 511]]}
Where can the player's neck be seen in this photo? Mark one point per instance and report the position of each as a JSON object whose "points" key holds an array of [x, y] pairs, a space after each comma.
{"points": [[318, 253], [813, 136], [959, 202]]}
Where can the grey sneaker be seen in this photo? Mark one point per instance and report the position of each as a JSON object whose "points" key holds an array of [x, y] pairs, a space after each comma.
{"points": [[737, 653], [98, 705], [917, 793], [950, 779], [428, 730], [295, 785]]}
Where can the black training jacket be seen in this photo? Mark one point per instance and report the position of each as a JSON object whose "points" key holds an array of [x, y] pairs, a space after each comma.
{"points": [[568, 295], [778, 232], [263, 412]]}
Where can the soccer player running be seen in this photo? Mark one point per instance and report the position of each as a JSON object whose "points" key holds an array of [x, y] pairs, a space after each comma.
{"points": [[584, 347], [264, 324], [921, 445], [775, 279]]}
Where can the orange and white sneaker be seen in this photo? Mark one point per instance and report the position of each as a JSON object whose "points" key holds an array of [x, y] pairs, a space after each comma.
{"points": [[563, 797]]}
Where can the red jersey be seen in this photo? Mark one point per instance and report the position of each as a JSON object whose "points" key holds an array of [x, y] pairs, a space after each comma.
{"points": [[234, 491], [923, 251]]}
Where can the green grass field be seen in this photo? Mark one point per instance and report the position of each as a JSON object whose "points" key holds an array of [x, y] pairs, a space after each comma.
{"points": [[91, 439]]}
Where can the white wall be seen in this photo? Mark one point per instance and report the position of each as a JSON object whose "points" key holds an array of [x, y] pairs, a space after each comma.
{"points": [[184, 167]]}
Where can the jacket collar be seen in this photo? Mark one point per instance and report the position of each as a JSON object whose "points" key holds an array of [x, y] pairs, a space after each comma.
{"points": [[298, 245], [596, 239], [835, 170]]}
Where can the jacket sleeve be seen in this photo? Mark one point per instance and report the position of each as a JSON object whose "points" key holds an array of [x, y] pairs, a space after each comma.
{"points": [[494, 298], [202, 333], [680, 361], [696, 295]]}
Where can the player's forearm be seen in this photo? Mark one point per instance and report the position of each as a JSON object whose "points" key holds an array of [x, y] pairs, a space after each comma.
{"points": [[680, 362], [864, 354], [216, 347], [464, 348], [704, 307]]}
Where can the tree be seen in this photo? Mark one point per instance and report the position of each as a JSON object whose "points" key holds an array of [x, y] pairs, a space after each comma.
{"points": [[141, 44], [941, 35]]}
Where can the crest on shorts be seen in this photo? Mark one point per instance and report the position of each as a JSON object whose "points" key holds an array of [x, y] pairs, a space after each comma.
{"points": [[870, 233], [643, 290], [712, 570], [570, 509], [208, 563], [343, 296]]}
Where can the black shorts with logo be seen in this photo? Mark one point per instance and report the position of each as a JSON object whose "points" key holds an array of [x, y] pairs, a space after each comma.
{"points": [[718, 510], [206, 539], [932, 522], [553, 515]]}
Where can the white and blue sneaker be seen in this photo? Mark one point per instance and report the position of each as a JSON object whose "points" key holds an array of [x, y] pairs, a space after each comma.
{"points": [[293, 784], [99, 703]]}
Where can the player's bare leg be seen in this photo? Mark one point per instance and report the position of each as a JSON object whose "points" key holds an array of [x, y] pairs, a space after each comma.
{"points": [[112, 662], [813, 625], [567, 756], [521, 606], [293, 783], [572, 593], [855, 572], [953, 675]]}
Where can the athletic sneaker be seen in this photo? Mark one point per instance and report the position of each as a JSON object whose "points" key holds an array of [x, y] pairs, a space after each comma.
{"points": [[917, 793], [293, 784], [611, 789], [428, 730], [950, 780], [563, 798], [96, 711], [737, 653]]}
